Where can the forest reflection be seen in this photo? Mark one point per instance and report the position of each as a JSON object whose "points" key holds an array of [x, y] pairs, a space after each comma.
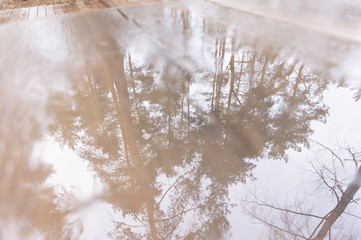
{"points": [[167, 142], [138, 124]]}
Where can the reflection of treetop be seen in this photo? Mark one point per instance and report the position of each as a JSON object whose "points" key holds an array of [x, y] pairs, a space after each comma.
{"points": [[135, 124], [131, 128]]}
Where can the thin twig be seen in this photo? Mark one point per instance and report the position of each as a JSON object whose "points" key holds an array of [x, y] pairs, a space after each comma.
{"points": [[353, 215], [330, 150], [282, 209], [171, 187], [178, 214], [278, 228]]}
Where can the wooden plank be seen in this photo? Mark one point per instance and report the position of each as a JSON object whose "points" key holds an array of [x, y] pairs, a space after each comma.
{"points": [[82, 6], [123, 3], [41, 12], [71, 7], [111, 3], [15, 15], [50, 10], [114, 3], [24, 14], [97, 4], [104, 3], [33, 13], [58, 9], [5, 16], [90, 5]]}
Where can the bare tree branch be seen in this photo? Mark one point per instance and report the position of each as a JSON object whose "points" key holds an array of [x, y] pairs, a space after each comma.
{"points": [[353, 215], [325, 182], [330, 150], [346, 198], [278, 228], [178, 214], [282, 209], [171, 187]]}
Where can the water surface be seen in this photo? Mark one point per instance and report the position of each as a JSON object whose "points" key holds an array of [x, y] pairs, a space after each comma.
{"points": [[169, 121]]}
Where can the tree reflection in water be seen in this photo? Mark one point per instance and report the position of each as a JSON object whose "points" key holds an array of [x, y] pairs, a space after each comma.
{"points": [[299, 219], [167, 133], [28, 207], [138, 124]]}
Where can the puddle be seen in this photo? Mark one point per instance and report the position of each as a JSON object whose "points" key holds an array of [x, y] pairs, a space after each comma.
{"points": [[180, 121]]}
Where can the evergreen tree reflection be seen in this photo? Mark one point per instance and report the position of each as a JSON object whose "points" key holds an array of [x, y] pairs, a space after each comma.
{"points": [[137, 126]]}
